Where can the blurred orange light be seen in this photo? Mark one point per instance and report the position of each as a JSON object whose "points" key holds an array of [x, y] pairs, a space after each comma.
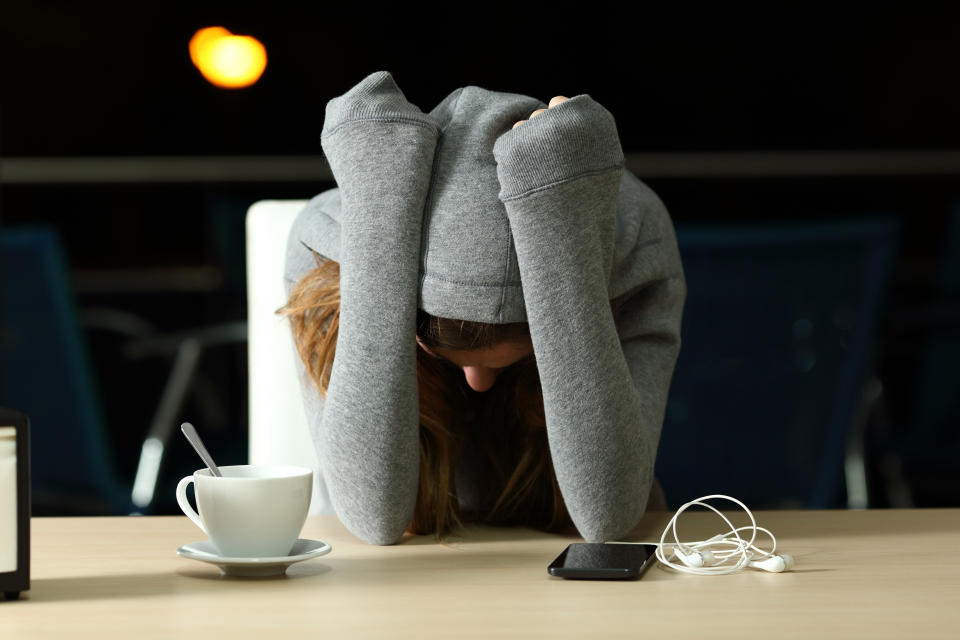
{"points": [[201, 41], [227, 60]]}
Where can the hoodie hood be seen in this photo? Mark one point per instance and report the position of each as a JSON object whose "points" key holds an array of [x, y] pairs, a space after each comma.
{"points": [[468, 264]]}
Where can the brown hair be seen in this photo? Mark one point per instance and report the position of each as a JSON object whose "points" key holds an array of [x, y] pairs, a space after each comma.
{"points": [[513, 457]]}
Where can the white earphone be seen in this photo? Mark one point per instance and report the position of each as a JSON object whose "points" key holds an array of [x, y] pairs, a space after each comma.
{"points": [[695, 559], [776, 564], [734, 553]]}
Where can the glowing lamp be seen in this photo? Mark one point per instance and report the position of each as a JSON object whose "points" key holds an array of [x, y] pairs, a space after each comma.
{"points": [[226, 60]]}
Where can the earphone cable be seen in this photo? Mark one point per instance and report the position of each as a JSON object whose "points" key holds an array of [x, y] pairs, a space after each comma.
{"points": [[714, 562]]}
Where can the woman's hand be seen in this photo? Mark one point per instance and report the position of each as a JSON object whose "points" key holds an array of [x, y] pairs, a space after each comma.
{"points": [[574, 136], [554, 101]]}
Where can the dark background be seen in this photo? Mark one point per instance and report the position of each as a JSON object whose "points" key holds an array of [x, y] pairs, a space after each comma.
{"points": [[84, 80]]}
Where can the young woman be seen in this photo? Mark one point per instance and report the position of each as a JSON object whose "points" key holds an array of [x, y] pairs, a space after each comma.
{"points": [[487, 313]]}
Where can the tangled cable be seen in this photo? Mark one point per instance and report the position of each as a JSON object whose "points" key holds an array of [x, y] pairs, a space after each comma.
{"points": [[734, 554]]}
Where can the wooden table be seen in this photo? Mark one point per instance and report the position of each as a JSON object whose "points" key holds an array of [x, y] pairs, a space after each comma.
{"points": [[868, 574]]}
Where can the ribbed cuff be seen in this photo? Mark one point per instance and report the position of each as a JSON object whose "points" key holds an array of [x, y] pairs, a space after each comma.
{"points": [[376, 97], [576, 137]]}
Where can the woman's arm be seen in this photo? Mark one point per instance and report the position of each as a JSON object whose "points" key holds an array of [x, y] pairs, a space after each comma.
{"points": [[380, 148], [560, 174]]}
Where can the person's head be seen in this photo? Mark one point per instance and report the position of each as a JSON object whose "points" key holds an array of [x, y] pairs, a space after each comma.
{"points": [[514, 454], [480, 350]]}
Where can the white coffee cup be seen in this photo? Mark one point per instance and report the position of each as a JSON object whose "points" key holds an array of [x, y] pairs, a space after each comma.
{"points": [[252, 511]]}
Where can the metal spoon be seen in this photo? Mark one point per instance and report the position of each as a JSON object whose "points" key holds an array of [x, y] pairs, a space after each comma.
{"points": [[197, 444]]}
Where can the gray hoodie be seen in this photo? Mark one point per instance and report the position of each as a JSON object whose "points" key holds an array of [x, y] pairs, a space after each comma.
{"points": [[457, 213]]}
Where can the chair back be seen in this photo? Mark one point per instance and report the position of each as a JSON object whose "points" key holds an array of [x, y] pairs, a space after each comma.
{"points": [[46, 372], [926, 443], [777, 338], [279, 433]]}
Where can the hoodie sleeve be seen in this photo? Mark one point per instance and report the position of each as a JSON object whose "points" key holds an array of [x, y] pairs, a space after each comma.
{"points": [[380, 149], [604, 393]]}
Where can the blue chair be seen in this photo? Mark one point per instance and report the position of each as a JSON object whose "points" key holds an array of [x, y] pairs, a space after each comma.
{"points": [[778, 342], [920, 457], [45, 371]]}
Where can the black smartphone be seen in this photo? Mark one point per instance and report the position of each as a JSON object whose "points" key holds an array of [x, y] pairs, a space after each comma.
{"points": [[602, 561]]}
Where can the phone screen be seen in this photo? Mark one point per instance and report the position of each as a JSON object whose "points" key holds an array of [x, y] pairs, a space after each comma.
{"points": [[601, 561]]}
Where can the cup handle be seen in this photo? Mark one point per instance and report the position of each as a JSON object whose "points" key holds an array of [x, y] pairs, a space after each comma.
{"points": [[185, 503]]}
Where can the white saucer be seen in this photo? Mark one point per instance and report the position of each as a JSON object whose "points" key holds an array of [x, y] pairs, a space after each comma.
{"points": [[303, 549]]}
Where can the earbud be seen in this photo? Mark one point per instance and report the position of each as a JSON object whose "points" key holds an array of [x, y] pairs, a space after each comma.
{"points": [[774, 564], [696, 558]]}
